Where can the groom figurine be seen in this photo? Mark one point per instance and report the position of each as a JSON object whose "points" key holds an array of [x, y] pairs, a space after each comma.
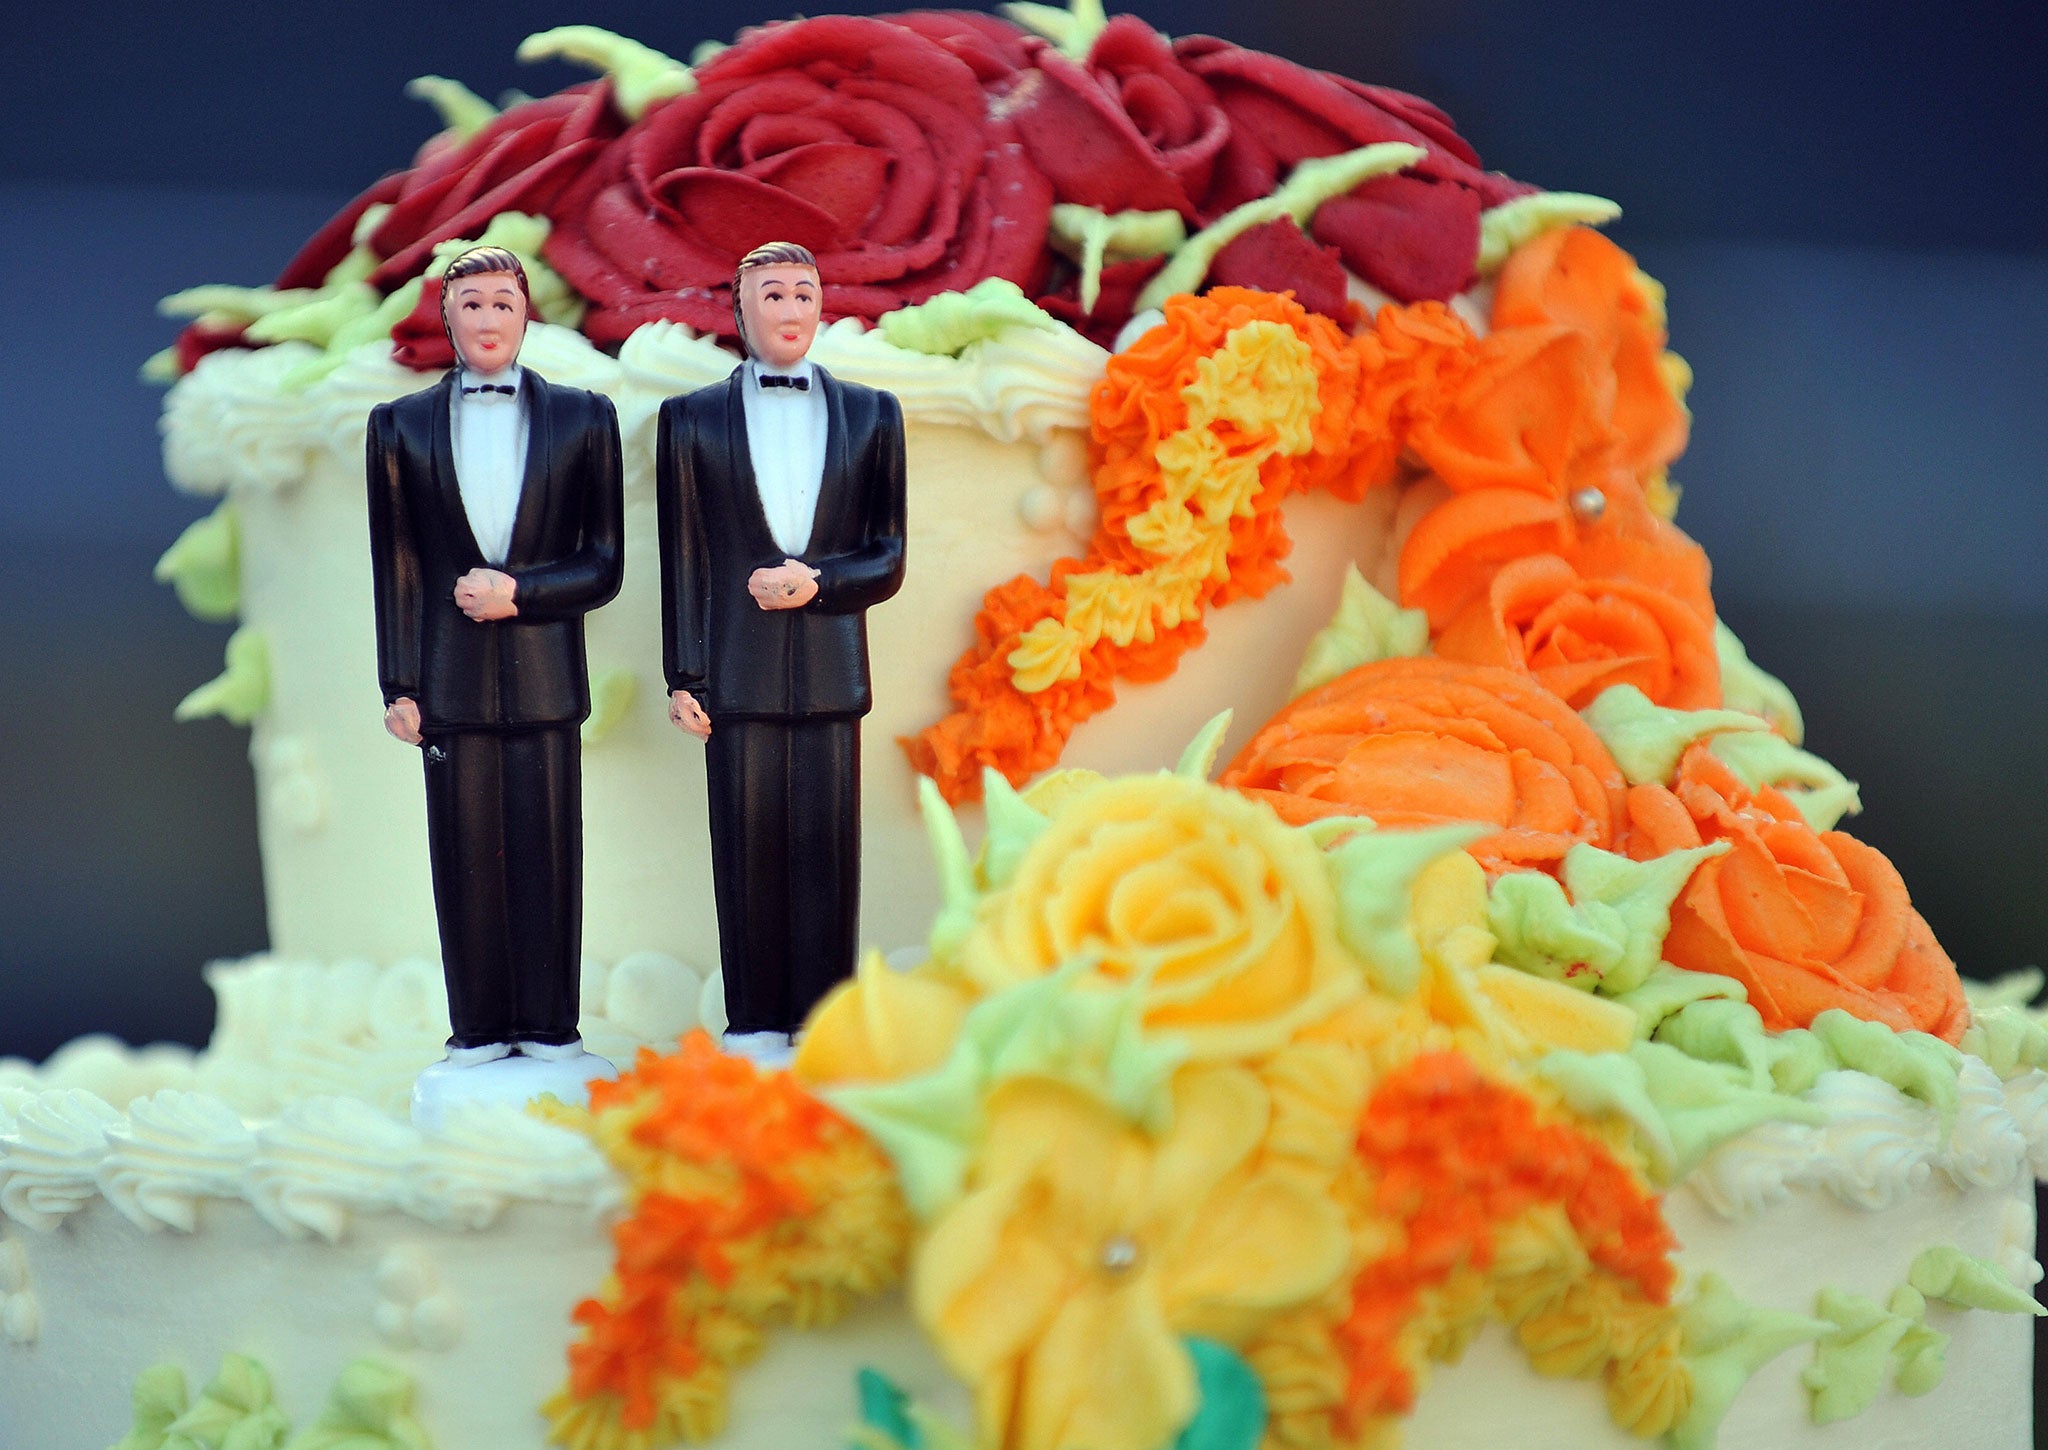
{"points": [[495, 506], [781, 496]]}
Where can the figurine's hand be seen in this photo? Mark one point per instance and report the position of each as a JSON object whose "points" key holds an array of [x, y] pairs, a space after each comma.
{"points": [[688, 715], [485, 594], [402, 719], [789, 585]]}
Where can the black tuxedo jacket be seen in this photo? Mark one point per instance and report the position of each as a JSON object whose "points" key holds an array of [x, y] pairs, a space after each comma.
{"points": [[739, 659], [565, 556]]}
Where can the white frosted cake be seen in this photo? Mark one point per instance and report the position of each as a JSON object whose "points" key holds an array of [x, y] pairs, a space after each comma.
{"points": [[1484, 1035]]}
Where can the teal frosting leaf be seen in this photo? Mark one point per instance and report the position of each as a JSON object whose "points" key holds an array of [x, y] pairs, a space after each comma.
{"points": [[948, 323], [1726, 1341], [612, 693], [1307, 187], [1646, 740], [240, 692], [1012, 827], [1092, 1039], [1680, 1109], [1231, 1411], [205, 565], [1745, 687], [1968, 1282], [1511, 224], [369, 1408], [462, 110], [159, 1398], [1823, 794], [886, 1408], [1199, 759], [1375, 873], [1091, 238], [1608, 934], [641, 76], [1368, 627]]}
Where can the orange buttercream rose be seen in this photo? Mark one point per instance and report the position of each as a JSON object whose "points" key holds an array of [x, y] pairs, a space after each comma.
{"points": [[1806, 921], [1424, 742], [1614, 611]]}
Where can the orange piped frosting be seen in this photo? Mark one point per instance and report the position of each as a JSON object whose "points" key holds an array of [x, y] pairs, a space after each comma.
{"points": [[1425, 742], [1805, 920]]}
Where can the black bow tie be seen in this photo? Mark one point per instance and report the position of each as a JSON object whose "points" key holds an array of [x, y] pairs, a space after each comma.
{"points": [[779, 380], [506, 388]]}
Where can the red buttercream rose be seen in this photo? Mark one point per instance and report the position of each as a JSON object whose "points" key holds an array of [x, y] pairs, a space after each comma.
{"points": [[868, 142], [1415, 235]]}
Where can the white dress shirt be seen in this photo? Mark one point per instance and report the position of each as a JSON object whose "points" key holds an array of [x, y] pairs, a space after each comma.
{"points": [[488, 432], [786, 437]]}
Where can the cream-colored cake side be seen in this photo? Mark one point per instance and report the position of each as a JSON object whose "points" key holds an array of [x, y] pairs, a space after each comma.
{"points": [[998, 487]]}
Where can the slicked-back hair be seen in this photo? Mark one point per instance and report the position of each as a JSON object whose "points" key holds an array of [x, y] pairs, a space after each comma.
{"points": [[475, 261], [768, 254]]}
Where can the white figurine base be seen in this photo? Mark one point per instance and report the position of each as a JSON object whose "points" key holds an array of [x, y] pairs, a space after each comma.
{"points": [[515, 1080]]}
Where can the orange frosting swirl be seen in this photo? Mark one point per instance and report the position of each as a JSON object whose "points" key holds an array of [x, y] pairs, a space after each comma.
{"points": [[1805, 920], [1612, 611], [1424, 742]]}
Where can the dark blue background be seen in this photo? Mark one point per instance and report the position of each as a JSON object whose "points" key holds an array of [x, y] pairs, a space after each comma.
{"points": [[1847, 203]]}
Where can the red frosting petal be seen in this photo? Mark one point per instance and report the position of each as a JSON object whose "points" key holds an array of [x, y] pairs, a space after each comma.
{"points": [[1277, 257], [1411, 238]]}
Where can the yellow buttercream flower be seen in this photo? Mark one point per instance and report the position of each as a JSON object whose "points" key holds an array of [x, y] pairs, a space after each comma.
{"points": [[1062, 1282], [880, 1026], [1225, 917]]}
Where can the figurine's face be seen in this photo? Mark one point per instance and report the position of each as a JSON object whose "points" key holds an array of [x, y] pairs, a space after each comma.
{"points": [[487, 315], [780, 307]]}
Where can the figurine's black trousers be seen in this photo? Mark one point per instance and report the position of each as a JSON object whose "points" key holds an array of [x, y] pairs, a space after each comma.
{"points": [[785, 863], [505, 831]]}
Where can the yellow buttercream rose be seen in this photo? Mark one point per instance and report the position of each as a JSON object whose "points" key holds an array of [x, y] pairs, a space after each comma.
{"points": [[1223, 915], [1062, 1282]]}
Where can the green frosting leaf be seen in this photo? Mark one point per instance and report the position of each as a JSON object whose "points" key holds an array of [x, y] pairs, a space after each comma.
{"points": [[948, 323], [1608, 934], [1849, 1364], [233, 1412], [1091, 1039], [1726, 1341], [1954, 1277], [1012, 826], [1073, 29], [321, 318], [1917, 1064], [2010, 1039], [369, 1408], [205, 565], [954, 864], [462, 110], [1732, 1032], [1307, 187], [1922, 1355], [1199, 759], [233, 306], [239, 693], [1091, 238], [1669, 989], [1507, 226], [1823, 794], [1375, 875], [1646, 740], [1231, 1410], [1680, 1109], [1368, 627], [611, 700], [2014, 989], [641, 76], [1745, 687], [158, 1398]]}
